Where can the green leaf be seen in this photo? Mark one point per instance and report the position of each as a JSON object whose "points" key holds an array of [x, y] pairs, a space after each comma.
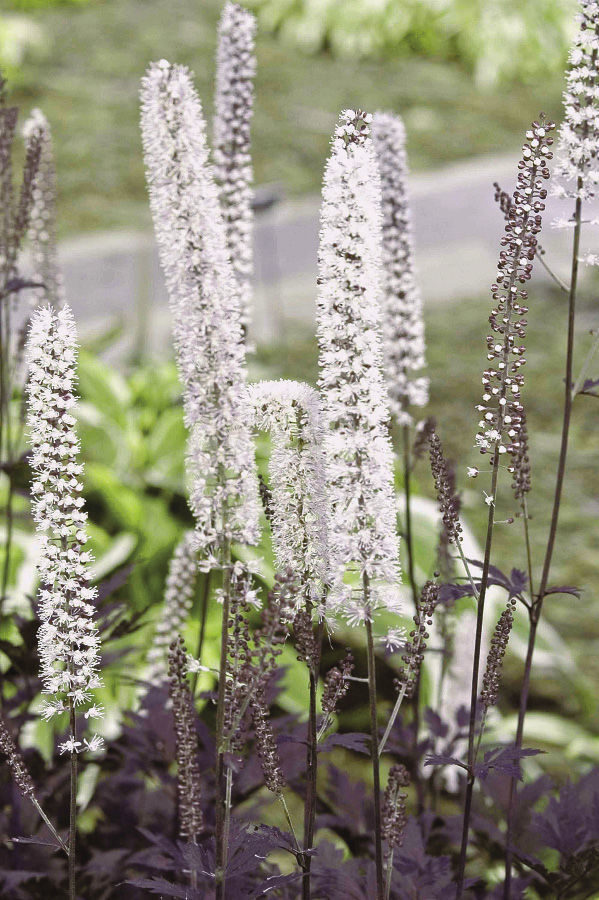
{"points": [[104, 388]]}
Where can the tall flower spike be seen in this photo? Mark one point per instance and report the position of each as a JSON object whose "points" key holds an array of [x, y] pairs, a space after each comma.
{"points": [[394, 815], [362, 505], [204, 300], [178, 600], [501, 409], [191, 822], [235, 72], [42, 223], [449, 501], [416, 648], [490, 686], [68, 639], [15, 762], [290, 412], [402, 325], [577, 155]]}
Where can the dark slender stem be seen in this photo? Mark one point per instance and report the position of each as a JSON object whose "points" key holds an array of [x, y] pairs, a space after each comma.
{"points": [[376, 775], [408, 514], [221, 786], [8, 543], [410, 554], [537, 605], [475, 672], [49, 824], [524, 507], [561, 284], [311, 767], [203, 615], [73, 808]]}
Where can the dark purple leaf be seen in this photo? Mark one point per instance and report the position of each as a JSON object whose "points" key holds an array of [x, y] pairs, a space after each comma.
{"points": [[352, 740], [444, 761], [564, 589], [588, 385], [504, 760], [166, 888], [435, 723]]}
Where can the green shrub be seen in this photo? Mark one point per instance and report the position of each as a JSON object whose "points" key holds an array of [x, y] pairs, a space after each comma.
{"points": [[495, 39]]}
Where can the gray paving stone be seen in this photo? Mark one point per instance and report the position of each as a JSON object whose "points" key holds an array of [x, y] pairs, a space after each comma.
{"points": [[457, 227]]}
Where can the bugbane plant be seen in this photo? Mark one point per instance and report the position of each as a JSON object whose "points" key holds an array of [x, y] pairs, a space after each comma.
{"points": [[42, 221], [362, 506], [501, 409], [68, 638], [577, 171], [178, 599], [191, 820], [68, 641], [235, 72], [290, 412], [402, 325], [204, 300], [363, 543]]}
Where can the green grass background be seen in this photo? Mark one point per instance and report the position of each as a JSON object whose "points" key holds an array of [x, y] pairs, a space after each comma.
{"points": [[86, 79]]}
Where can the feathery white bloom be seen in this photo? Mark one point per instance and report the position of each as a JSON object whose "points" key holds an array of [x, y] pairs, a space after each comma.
{"points": [[359, 458], [291, 412], [178, 599], [42, 219], [68, 638], [204, 300], [402, 324], [579, 133], [235, 72]]}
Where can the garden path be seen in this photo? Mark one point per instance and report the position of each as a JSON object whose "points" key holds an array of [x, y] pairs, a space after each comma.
{"points": [[457, 228]]}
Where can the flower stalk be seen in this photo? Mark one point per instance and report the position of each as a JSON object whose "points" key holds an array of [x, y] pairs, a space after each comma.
{"points": [[500, 426]]}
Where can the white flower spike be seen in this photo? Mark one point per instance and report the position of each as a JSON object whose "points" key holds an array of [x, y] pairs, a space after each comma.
{"points": [[204, 300], [68, 638], [363, 541]]}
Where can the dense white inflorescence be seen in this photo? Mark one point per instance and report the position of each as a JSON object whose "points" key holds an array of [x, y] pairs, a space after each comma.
{"points": [[68, 638], [577, 170], [42, 219], [290, 412], [363, 543], [576, 154], [235, 72], [178, 599], [204, 300], [402, 324]]}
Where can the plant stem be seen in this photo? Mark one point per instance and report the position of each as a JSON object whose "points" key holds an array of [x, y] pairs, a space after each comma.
{"points": [[408, 532], [388, 874], [283, 802], [203, 615], [524, 507], [561, 284], [73, 808], [227, 819], [49, 824], [410, 548], [221, 776], [475, 672], [8, 543], [311, 767], [376, 776], [537, 605]]}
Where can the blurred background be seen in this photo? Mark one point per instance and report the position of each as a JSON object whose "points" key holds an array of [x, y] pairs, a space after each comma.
{"points": [[467, 76]]}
